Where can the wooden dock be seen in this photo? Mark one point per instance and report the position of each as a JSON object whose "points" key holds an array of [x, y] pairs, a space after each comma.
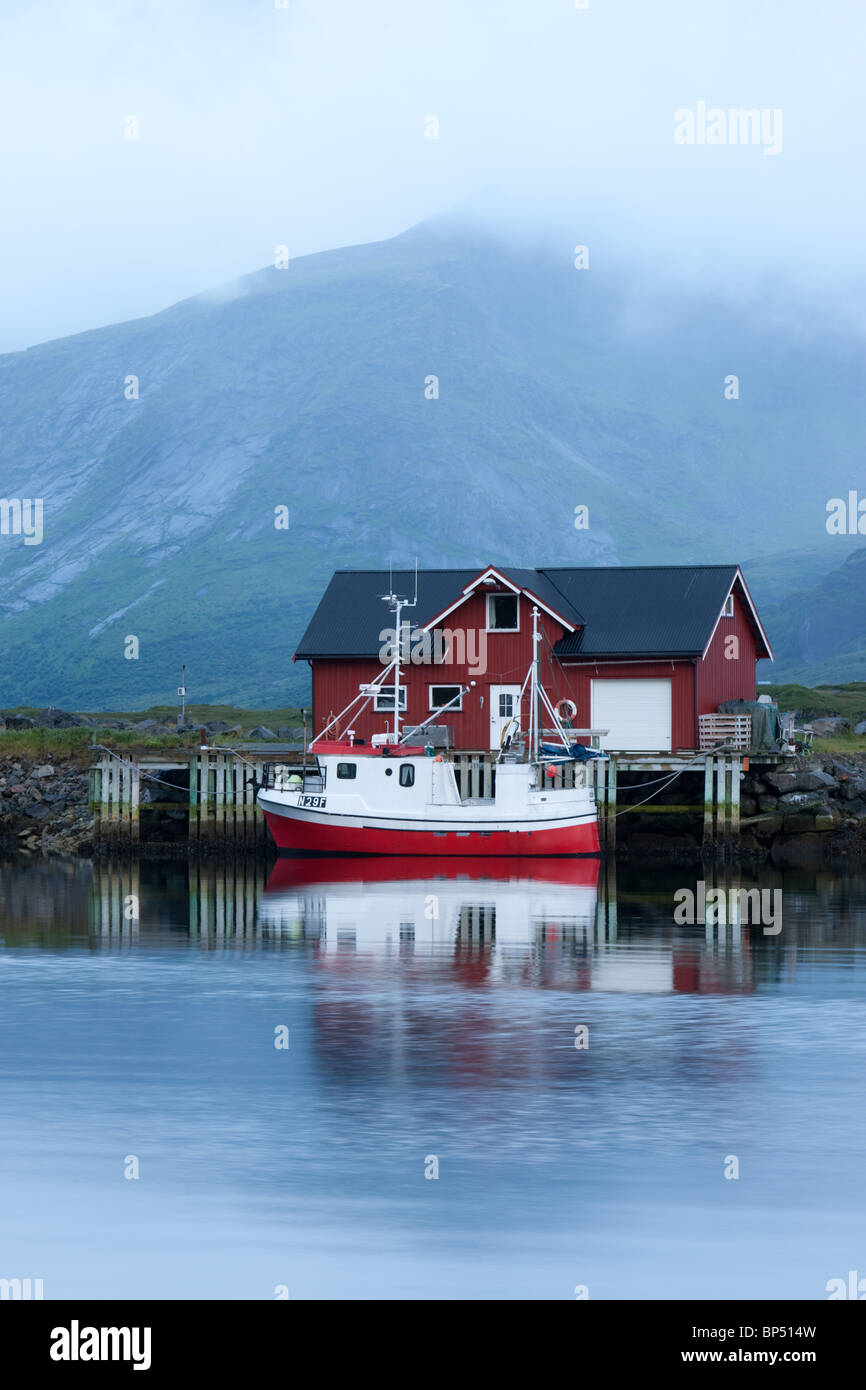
{"points": [[220, 803], [216, 788]]}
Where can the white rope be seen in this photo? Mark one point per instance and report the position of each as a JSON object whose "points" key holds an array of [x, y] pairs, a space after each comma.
{"points": [[720, 748], [148, 775]]}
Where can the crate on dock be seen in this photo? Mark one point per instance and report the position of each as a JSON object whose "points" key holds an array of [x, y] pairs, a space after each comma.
{"points": [[733, 730]]}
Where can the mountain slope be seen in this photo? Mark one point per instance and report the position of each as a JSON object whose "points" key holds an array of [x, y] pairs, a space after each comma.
{"points": [[820, 631], [305, 388]]}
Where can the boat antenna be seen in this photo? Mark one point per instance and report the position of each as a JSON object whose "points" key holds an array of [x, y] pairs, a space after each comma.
{"points": [[396, 604]]}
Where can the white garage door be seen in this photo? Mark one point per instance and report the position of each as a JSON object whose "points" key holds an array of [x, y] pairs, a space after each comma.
{"points": [[637, 713]]}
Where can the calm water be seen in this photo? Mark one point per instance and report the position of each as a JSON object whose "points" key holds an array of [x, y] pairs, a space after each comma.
{"points": [[429, 1017]]}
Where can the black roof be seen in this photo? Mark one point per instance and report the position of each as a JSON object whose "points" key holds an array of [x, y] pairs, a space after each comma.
{"points": [[664, 610], [657, 610]]}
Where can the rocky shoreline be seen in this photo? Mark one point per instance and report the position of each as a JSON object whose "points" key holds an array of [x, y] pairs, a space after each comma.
{"points": [[805, 809], [45, 806]]}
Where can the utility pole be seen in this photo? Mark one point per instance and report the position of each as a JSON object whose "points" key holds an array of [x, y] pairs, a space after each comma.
{"points": [[181, 690]]}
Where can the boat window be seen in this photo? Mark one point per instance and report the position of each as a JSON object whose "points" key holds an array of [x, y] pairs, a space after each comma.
{"points": [[407, 775], [347, 771]]}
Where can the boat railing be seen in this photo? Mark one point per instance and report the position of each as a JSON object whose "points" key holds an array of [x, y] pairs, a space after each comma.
{"points": [[287, 776]]}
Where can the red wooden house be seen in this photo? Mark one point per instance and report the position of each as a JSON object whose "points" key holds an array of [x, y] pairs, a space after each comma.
{"points": [[639, 651]]}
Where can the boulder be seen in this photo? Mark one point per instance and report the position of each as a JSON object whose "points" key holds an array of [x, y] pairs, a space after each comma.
{"points": [[217, 726], [852, 788], [260, 733], [800, 800], [815, 779], [841, 770], [830, 724], [799, 823], [19, 721], [46, 770], [765, 827], [800, 780], [749, 845], [803, 849], [52, 718], [861, 727], [825, 820], [783, 781]]}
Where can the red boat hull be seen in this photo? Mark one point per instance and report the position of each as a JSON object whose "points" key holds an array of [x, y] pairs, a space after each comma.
{"points": [[308, 837]]}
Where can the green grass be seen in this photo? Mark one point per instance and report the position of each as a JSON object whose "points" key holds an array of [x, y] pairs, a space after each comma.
{"points": [[849, 701], [204, 714], [840, 743], [76, 743]]}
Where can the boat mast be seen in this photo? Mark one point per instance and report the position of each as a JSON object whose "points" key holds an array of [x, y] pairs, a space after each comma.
{"points": [[398, 609]]}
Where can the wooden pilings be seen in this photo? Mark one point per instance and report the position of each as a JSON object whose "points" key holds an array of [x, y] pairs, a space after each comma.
{"points": [[721, 793], [221, 801], [722, 800], [602, 772]]}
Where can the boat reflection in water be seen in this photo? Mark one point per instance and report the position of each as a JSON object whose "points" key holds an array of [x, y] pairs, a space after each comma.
{"points": [[544, 922], [392, 904]]}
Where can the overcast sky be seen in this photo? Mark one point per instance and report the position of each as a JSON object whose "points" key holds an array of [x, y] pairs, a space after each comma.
{"points": [[305, 126]]}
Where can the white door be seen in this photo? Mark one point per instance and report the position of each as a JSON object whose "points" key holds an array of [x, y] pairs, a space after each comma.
{"points": [[504, 705], [636, 712]]}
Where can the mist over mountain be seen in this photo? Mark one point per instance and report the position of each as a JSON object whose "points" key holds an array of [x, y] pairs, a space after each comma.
{"points": [[311, 388]]}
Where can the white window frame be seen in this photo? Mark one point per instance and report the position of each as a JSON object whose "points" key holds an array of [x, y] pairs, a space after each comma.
{"points": [[389, 691], [442, 685], [490, 608], [728, 610]]}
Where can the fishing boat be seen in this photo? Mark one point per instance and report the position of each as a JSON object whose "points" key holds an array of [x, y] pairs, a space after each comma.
{"points": [[399, 795]]}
